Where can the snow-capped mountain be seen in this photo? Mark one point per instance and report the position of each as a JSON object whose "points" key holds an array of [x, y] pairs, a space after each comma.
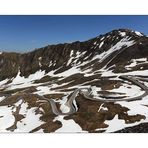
{"points": [[100, 85]]}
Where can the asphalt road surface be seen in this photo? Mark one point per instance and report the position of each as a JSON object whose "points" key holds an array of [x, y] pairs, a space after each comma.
{"points": [[72, 108]]}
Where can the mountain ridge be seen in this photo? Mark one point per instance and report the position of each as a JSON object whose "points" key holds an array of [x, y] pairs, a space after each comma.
{"points": [[90, 86], [59, 51]]}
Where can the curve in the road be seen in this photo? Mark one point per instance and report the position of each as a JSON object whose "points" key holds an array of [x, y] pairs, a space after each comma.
{"points": [[70, 104]]}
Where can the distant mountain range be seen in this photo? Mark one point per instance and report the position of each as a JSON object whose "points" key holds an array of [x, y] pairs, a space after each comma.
{"points": [[100, 85]]}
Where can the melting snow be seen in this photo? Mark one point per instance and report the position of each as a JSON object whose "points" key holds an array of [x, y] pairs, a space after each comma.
{"points": [[6, 118], [101, 44], [43, 90], [133, 90], [22, 82], [28, 123], [2, 98], [68, 126], [95, 43], [50, 64], [102, 38], [123, 42], [138, 33], [122, 34], [69, 72], [31, 120], [102, 108], [95, 90], [135, 107], [71, 58], [64, 108], [135, 62], [19, 79], [3, 82], [115, 124]]}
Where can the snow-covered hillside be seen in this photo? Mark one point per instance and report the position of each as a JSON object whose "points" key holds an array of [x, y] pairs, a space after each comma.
{"points": [[100, 85]]}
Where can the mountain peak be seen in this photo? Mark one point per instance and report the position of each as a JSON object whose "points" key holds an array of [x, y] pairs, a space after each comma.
{"points": [[128, 32]]}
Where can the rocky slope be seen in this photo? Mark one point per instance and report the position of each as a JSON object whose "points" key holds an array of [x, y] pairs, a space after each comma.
{"points": [[99, 85]]}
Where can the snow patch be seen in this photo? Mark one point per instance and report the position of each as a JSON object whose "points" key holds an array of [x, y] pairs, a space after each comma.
{"points": [[134, 62], [115, 124], [68, 126], [123, 42], [31, 120], [101, 44], [2, 98], [122, 34], [138, 33], [6, 118], [64, 108], [22, 82]]}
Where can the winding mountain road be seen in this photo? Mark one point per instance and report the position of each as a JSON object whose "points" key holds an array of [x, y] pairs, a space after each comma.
{"points": [[72, 108], [70, 104], [106, 98]]}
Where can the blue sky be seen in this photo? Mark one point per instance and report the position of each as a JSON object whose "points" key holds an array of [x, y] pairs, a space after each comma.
{"points": [[25, 33]]}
